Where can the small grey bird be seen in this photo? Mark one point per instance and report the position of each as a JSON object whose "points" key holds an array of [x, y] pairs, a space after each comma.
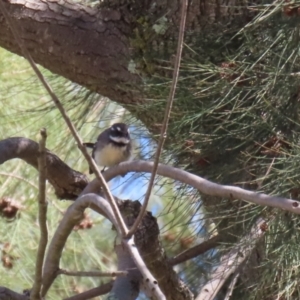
{"points": [[112, 147]]}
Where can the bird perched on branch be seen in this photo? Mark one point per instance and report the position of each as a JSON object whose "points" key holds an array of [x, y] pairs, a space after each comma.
{"points": [[112, 147]]}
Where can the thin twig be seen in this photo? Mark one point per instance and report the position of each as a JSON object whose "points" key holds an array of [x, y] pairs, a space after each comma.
{"points": [[12, 175], [98, 291], [261, 180], [163, 133], [196, 250], [231, 286], [36, 289], [91, 273], [68, 121]]}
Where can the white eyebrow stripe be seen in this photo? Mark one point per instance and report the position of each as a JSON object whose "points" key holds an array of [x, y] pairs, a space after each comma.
{"points": [[118, 128]]}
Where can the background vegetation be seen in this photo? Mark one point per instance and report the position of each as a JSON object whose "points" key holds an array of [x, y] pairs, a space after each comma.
{"points": [[236, 121]]}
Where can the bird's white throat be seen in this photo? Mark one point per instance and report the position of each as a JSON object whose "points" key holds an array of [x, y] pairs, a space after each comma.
{"points": [[121, 140]]}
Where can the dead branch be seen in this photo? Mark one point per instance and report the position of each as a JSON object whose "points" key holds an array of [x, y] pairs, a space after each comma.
{"points": [[67, 183], [149, 283], [231, 286], [126, 288], [231, 261]]}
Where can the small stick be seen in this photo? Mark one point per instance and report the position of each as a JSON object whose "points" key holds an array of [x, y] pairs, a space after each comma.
{"points": [[91, 273], [36, 289], [163, 133]]}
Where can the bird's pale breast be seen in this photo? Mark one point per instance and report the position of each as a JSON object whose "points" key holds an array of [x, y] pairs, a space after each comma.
{"points": [[110, 155]]}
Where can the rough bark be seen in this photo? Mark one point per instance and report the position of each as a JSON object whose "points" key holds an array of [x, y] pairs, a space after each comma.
{"points": [[104, 48], [147, 242], [85, 45], [67, 183]]}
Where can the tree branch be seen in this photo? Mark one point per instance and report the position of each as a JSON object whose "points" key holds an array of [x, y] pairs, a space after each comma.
{"points": [[203, 185], [7, 294], [231, 261], [149, 282], [126, 288], [91, 273], [42, 203], [67, 183], [231, 286], [197, 250], [98, 291], [72, 216]]}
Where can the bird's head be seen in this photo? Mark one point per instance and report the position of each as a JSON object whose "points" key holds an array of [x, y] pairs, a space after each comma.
{"points": [[119, 133]]}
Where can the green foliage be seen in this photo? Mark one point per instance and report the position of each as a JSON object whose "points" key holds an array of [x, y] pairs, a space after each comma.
{"points": [[236, 121], [24, 111]]}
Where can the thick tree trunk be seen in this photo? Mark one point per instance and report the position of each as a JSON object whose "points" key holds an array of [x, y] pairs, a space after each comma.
{"points": [[99, 47], [85, 45]]}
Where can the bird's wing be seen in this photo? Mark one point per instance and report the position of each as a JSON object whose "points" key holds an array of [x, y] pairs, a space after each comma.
{"points": [[89, 145]]}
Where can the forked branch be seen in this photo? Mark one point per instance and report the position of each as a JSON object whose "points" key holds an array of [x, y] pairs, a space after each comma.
{"points": [[71, 217]]}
